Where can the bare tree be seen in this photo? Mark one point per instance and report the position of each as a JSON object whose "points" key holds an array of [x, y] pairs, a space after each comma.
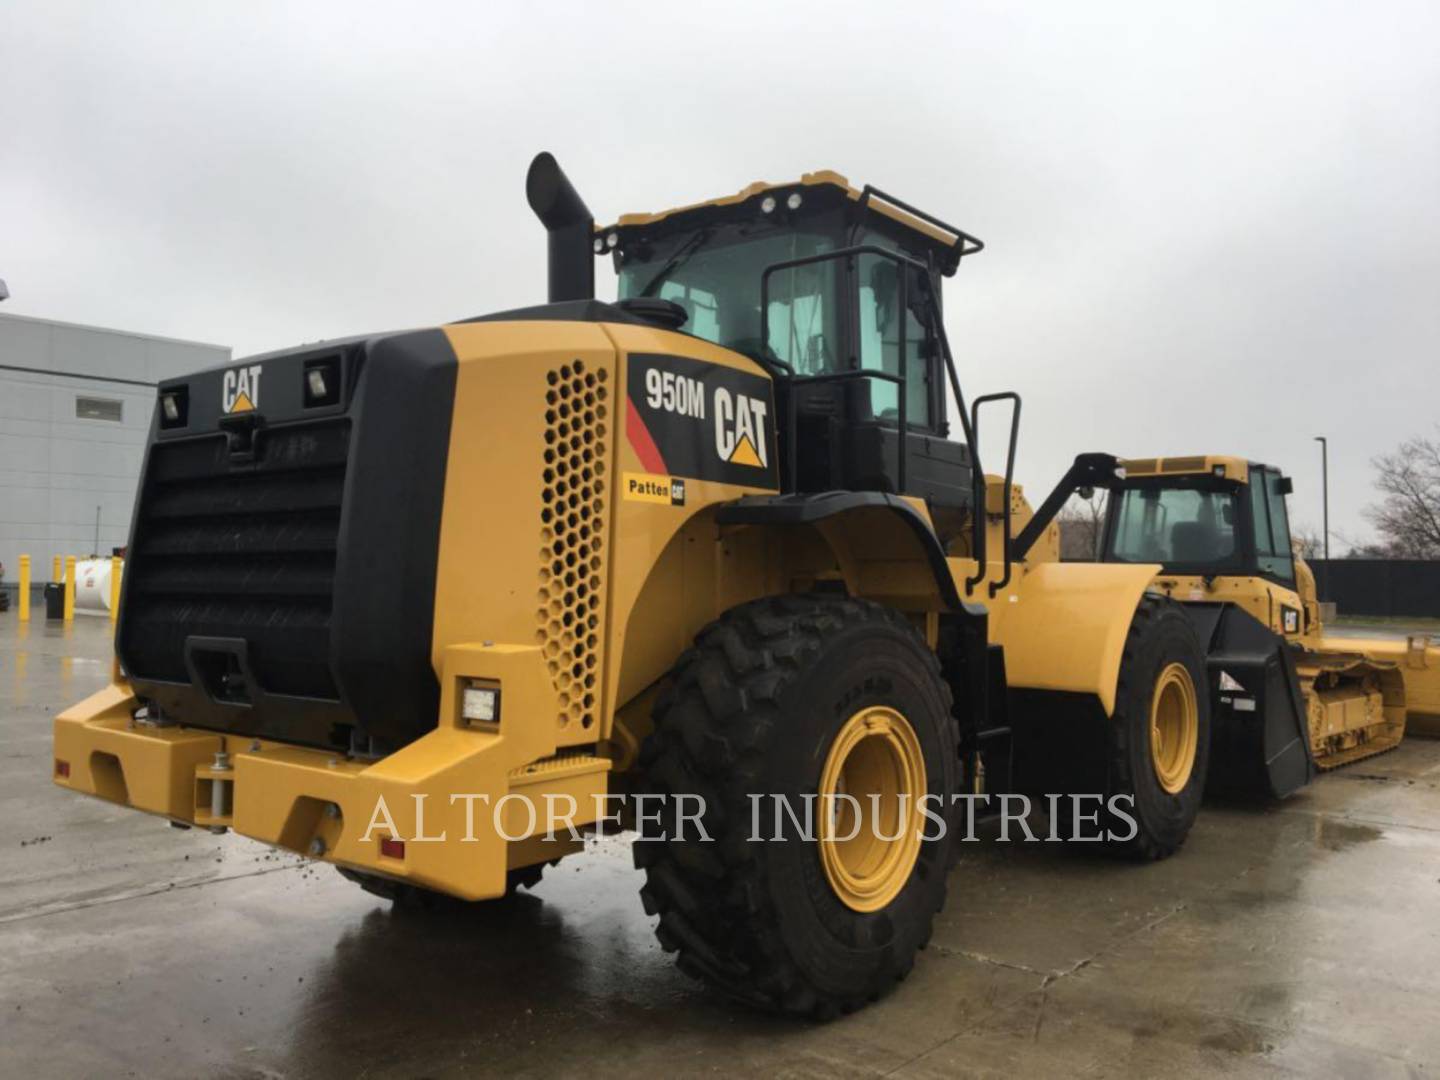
{"points": [[1408, 515], [1372, 551], [1082, 526], [1360, 549], [1307, 541]]}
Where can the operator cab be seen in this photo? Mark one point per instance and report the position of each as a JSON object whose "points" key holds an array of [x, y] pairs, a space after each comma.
{"points": [[836, 293], [1205, 516]]}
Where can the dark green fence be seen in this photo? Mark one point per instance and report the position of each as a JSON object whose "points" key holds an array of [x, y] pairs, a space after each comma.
{"points": [[1396, 587]]}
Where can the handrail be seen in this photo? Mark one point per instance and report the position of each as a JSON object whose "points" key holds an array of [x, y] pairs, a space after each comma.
{"points": [[791, 407], [937, 327], [977, 471], [962, 238], [981, 510]]}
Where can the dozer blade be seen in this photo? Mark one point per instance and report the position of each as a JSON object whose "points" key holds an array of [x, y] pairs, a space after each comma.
{"points": [[1421, 672]]}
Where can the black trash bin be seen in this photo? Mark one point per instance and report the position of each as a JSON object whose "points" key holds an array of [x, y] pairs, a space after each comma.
{"points": [[54, 600]]}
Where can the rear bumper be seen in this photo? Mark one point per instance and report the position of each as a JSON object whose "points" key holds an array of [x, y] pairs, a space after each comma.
{"points": [[445, 793]]}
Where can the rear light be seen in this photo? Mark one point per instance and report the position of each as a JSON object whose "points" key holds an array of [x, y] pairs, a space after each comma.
{"points": [[322, 382], [315, 382], [62, 769], [392, 848], [174, 407]]}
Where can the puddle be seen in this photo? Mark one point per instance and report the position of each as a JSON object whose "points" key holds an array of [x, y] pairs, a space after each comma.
{"points": [[1332, 835]]}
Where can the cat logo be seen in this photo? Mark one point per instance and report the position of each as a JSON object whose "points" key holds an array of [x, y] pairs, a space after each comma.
{"points": [[702, 421], [240, 390], [740, 428]]}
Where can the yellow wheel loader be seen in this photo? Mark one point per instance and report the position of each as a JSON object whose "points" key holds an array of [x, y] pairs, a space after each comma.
{"points": [[1219, 526], [398, 602]]}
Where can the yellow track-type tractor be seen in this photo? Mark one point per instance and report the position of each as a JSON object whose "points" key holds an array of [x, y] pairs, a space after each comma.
{"points": [[1219, 527], [710, 548]]}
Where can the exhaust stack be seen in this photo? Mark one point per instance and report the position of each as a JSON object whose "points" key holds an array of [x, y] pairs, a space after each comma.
{"points": [[570, 227]]}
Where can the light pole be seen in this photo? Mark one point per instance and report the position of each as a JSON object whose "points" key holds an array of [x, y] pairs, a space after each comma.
{"points": [[1325, 508]]}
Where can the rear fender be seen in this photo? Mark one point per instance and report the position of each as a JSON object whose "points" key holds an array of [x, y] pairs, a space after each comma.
{"points": [[884, 547]]}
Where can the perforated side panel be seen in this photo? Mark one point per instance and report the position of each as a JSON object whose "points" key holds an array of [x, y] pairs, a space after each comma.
{"points": [[572, 536]]}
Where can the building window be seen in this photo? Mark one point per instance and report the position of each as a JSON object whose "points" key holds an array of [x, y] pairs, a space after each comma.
{"points": [[95, 408]]}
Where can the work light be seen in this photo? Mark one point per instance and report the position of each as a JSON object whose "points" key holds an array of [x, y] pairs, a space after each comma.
{"points": [[480, 704]]}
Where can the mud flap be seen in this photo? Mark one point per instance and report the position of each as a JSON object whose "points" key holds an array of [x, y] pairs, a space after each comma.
{"points": [[1260, 741]]}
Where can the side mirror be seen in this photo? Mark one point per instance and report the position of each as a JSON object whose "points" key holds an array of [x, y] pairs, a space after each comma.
{"points": [[1284, 485]]}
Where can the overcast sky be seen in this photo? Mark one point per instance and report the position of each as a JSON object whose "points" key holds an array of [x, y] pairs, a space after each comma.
{"points": [[1209, 228]]}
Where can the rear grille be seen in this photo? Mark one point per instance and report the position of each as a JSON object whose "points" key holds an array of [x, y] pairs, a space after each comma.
{"points": [[240, 550], [572, 525]]}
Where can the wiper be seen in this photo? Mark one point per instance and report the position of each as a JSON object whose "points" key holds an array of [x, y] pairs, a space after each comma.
{"points": [[681, 256]]}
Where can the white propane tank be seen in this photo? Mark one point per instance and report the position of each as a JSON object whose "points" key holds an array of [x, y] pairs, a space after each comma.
{"points": [[92, 587]]}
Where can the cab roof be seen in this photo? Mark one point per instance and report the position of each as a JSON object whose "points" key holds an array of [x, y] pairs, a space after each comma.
{"points": [[1233, 468], [949, 243]]}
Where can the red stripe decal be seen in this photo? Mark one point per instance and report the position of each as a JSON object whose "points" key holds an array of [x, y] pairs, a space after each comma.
{"points": [[641, 441]]}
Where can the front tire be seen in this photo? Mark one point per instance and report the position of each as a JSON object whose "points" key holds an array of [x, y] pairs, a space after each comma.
{"points": [[1159, 735], [795, 696]]}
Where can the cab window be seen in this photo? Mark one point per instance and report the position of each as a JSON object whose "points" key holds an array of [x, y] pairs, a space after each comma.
{"points": [[714, 273], [1184, 527], [804, 318], [702, 309], [1272, 527], [882, 326]]}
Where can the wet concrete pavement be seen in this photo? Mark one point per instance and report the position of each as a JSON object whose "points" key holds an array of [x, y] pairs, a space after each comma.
{"points": [[1292, 939]]}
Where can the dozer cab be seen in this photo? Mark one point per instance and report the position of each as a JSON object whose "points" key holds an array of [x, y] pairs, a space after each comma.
{"points": [[392, 600], [1219, 527]]}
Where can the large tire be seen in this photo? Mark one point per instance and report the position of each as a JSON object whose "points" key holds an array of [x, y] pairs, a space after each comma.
{"points": [[755, 708], [1162, 664]]}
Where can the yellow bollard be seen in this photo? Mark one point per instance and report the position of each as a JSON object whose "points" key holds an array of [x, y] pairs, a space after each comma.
{"points": [[24, 588], [115, 564], [55, 570], [69, 588]]}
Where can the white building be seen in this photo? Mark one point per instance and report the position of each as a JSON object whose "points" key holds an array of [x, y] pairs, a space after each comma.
{"points": [[75, 408]]}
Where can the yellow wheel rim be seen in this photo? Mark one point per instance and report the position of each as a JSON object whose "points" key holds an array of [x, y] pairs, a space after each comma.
{"points": [[1174, 728], [868, 847]]}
